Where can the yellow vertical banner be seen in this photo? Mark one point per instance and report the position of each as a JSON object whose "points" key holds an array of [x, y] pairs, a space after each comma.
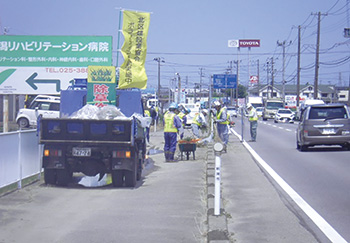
{"points": [[132, 73]]}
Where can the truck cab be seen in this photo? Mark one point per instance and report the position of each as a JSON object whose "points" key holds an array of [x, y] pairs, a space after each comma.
{"points": [[271, 107]]}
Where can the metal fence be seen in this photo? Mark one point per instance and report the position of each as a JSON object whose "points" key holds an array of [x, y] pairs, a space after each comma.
{"points": [[19, 157]]}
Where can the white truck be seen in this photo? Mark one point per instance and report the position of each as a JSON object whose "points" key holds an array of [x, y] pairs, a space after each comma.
{"points": [[255, 101], [304, 104], [271, 107]]}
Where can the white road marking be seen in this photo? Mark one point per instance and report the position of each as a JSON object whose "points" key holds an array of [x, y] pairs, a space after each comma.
{"points": [[319, 221]]}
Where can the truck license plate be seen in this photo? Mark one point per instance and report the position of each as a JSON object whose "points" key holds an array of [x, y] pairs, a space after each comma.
{"points": [[82, 152]]}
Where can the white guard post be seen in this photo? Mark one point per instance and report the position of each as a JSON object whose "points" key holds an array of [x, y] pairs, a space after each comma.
{"points": [[218, 147]]}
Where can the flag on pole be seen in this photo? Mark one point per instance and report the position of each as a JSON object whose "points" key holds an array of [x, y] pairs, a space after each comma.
{"points": [[132, 73]]}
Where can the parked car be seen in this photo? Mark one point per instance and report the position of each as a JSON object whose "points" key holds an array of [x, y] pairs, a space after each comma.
{"points": [[44, 105], [259, 111], [327, 124], [284, 115], [231, 111], [195, 108]]}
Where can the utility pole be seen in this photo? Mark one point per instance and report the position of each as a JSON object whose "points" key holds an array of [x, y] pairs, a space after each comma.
{"points": [[267, 78], [5, 115], [272, 76], [229, 70], [258, 72], [159, 60], [200, 83], [179, 87], [283, 44], [237, 85], [237, 62], [298, 68], [317, 62]]}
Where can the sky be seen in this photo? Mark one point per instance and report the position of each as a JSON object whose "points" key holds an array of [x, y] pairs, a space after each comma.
{"points": [[191, 36]]}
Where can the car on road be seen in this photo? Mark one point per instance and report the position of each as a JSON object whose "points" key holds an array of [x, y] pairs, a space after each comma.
{"points": [[231, 111], [259, 111], [194, 108], [327, 124], [44, 105], [284, 115]]}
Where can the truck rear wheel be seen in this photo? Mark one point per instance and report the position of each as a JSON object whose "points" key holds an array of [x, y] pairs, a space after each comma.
{"points": [[139, 170], [117, 178], [130, 178], [50, 176]]}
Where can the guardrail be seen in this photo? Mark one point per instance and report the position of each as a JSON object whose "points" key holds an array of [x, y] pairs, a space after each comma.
{"points": [[19, 157]]}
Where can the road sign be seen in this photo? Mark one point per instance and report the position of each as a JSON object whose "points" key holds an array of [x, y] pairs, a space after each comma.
{"points": [[225, 81], [55, 51], [47, 64], [38, 80]]}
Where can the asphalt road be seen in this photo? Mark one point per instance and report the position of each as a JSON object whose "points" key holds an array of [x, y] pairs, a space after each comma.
{"points": [[319, 176], [168, 205]]}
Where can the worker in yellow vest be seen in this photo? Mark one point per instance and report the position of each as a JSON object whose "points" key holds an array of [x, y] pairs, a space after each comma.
{"points": [[172, 126], [147, 114], [221, 121], [253, 120], [183, 115], [198, 122]]}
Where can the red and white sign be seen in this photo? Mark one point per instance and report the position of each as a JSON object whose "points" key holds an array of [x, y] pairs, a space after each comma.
{"points": [[254, 79]]}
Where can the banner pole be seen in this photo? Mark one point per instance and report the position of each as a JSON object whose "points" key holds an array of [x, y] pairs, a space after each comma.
{"points": [[118, 41]]}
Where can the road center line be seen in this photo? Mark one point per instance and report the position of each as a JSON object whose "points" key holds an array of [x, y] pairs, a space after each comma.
{"points": [[319, 221]]}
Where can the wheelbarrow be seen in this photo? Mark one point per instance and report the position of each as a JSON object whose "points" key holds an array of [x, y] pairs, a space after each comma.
{"points": [[188, 148]]}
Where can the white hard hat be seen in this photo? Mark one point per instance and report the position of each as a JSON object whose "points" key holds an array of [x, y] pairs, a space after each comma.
{"points": [[249, 105], [217, 103]]}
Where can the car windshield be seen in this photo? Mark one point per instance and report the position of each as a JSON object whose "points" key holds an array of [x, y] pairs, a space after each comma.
{"points": [[274, 105], [231, 108], [327, 113], [285, 111]]}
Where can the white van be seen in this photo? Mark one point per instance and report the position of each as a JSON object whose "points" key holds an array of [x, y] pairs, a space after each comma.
{"points": [[305, 103], [45, 105]]}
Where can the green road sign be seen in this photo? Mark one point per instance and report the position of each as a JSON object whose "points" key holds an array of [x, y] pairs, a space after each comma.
{"points": [[55, 51]]}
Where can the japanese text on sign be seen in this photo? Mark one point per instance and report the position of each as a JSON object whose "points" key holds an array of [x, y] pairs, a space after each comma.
{"points": [[55, 51]]}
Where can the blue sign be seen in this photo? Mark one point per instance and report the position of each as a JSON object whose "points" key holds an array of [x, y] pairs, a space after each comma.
{"points": [[225, 81]]}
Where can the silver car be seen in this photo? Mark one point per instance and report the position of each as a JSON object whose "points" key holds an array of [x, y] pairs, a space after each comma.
{"points": [[324, 125]]}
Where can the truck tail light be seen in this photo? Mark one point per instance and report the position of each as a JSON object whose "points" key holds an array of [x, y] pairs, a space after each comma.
{"points": [[52, 152], [121, 154]]}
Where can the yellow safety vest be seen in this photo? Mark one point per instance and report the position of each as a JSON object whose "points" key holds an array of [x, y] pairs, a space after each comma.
{"points": [[194, 121], [147, 113], [169, 122], [252, 115], [218, 116], [181, 115]]}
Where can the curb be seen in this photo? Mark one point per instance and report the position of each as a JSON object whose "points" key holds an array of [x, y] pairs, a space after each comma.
{"points": [[217, 225]]}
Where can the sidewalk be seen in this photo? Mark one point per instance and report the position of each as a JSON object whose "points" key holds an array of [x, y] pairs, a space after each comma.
{"points": [[252, 210]]}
